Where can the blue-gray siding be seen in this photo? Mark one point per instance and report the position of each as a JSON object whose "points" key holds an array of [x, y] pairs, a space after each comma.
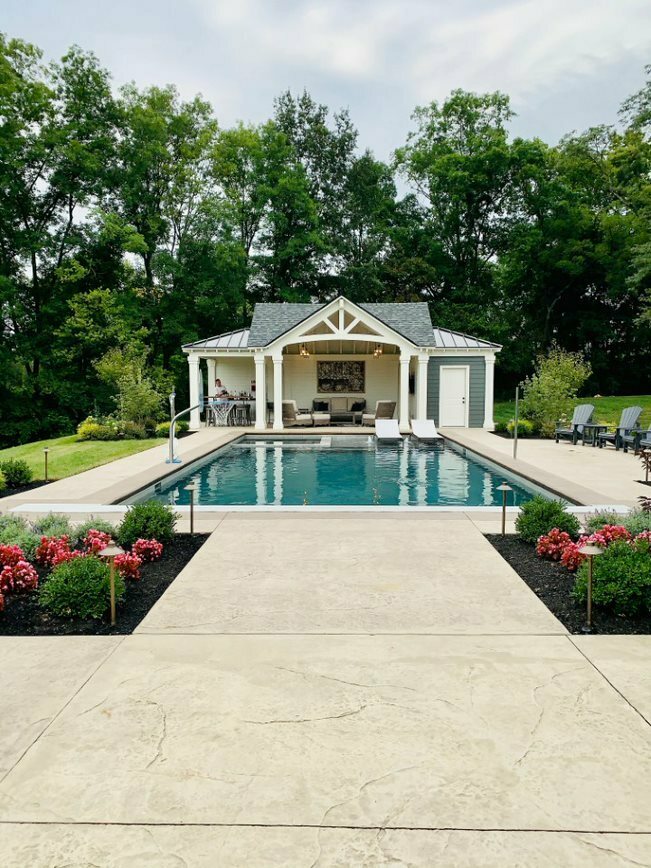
{"points": [[476, 387]]}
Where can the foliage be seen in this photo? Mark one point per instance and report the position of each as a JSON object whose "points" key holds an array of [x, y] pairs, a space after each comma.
{"points": [[636, 521], [148, 520], [96, 524], [539, 516], [95, 541], [53, 550], [553, 544], [621, 578], [147, 549], [596, 520], [131, 223], [526, 427], [107, 428], [52, 525], [163, 428], [551, 389], [608, 409], [128, 565], [15, 531], [79, 588], [16, 472], [17, 576]]}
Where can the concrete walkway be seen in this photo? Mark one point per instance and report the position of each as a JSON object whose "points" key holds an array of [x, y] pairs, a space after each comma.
{"points": [[327, 690], [584, 474]]}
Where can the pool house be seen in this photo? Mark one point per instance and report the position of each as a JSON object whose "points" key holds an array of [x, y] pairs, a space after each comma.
{"points": [[332, 363]]}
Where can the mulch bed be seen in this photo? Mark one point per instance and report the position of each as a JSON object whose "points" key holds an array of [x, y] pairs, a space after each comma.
{"points": [[23, 616], [8, 492], [553, 584]]}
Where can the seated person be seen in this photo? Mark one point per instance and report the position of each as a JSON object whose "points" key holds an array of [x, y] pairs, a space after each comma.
{"points": [[220, 390]]}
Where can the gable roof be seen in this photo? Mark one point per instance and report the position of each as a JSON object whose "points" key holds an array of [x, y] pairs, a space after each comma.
{"points": [[271, 320]]}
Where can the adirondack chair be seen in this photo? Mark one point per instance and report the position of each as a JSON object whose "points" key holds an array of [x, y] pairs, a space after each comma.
{"points": [[581, 416], [627, 422], [638, 439]]}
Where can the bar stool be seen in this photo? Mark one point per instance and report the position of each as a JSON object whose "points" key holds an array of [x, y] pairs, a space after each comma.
{"points": [[242, 414]]}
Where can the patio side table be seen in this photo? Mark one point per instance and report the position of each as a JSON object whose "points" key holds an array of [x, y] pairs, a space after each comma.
{"points": [[595, 430]]}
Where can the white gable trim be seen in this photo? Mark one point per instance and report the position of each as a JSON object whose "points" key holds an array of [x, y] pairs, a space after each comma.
{"points": [[297, 335]]}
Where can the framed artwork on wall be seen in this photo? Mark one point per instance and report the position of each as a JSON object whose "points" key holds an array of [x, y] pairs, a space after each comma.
{"points": [[343, 377]]}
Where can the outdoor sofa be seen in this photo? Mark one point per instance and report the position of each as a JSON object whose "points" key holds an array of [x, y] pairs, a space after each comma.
{"points": [[336, 410]]}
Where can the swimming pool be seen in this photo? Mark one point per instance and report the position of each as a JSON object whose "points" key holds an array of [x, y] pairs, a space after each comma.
{"points": [[339, 471]]}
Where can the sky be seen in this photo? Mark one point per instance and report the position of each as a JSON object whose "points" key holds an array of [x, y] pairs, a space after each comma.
{"points": [[567, 64]]}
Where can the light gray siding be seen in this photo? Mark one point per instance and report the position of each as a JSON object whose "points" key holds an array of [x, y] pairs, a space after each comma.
{"points": [[476, 387]]}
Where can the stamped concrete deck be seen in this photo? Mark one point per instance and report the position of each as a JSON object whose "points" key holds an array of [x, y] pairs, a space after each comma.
{"points": [[331, 691]]}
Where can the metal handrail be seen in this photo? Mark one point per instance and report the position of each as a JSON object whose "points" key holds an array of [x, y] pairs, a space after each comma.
{"points": [[172, 458]]}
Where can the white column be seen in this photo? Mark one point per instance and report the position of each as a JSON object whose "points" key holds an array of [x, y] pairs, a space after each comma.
{"points": [[260, 394], [421, 387], [278, 393], [195, 372], [210, 364], [489, 392], [404, 392]]}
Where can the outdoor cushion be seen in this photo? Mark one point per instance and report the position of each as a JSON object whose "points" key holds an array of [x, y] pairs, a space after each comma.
{"points": [[358, 406], [321, 418], [321, 406], [337, 405]]}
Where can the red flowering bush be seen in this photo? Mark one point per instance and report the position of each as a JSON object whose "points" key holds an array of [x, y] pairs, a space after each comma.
{"points": [[608, 534], [645, 536], [147, 549], [128, 565], [95, 541], [553, 544], [52, 548], [64, 554], [572, 557], [10, 555], [20, 577]]}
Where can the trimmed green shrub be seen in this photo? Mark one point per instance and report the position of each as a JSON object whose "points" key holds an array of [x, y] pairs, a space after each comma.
{"points": [[79, 533], [621, 578], [500, 427], [95, 429], [132, 430], [526, 428], [52, 525], [148, 520], [15, 531], [163, 428], [80, 588], [16, 472], [538, 516], [636, 521]]}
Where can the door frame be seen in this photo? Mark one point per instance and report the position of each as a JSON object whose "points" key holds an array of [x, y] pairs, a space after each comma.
{"points": [[465, 368]]}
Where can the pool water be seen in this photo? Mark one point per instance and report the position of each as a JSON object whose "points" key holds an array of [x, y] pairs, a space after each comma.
{"points": [[341, 471]]}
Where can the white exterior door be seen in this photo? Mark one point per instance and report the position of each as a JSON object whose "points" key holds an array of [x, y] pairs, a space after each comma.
{"points": [[453, 396]]}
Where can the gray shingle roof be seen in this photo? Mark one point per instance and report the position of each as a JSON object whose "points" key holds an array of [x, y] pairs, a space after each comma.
{"points": [[270, 320], [411, 320]]}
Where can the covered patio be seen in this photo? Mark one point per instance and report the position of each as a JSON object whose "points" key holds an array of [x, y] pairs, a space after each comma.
{"points": [[341, 359]]}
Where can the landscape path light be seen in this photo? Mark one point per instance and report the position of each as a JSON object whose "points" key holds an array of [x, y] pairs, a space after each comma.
{"points": [[45, 454], [504, 488], [590, 552], [110, 552], [191, 488]]}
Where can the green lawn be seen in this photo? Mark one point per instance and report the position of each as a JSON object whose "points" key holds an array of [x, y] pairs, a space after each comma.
{"points": [[607, 410], [68, 455]]}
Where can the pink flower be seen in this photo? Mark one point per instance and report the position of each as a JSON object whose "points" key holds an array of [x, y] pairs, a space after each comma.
{"points": [[95, 541], [147, 549], [10, 555], [128, 565], [553, 544], [572, 557], [52, 548], [20, 577]]}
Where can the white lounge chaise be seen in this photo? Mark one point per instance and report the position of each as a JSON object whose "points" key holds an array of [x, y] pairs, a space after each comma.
{"points": [[387, 431], [425, 430]]}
